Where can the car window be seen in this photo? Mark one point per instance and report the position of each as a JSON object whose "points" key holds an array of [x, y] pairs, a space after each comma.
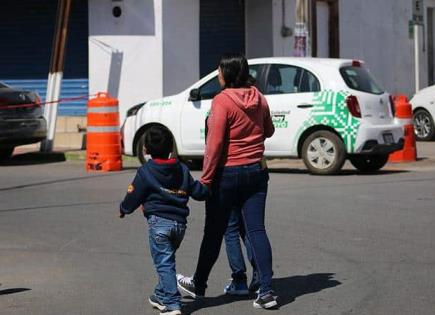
{"points": [[212, 87], [360, 79], [209, 89], [283, 79]]}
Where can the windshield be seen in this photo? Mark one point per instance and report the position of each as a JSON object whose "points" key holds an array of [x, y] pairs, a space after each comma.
{"points": [[2, 85], [360, 79]]}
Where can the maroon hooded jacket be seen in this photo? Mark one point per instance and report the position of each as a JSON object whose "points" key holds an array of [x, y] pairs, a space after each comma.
{"points": [[238, 124]]}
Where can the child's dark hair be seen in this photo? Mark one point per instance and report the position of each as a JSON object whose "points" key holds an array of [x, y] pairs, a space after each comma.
{"points": [[235, 70], [158, 142]]}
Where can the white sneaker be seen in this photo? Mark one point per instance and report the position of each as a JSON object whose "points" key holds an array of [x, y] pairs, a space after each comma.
{"points": [[186, 285]]}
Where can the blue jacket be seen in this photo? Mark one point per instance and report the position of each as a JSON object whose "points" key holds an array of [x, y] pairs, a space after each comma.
{"points": [[163, 188]]}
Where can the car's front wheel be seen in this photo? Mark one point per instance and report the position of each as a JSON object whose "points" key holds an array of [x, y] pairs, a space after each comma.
{"points": [[423, 125], [6, 153], [323, 153], [368, 163]]}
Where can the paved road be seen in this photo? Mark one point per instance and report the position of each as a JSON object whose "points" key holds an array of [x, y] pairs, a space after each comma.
{"points": [[347, 244]]}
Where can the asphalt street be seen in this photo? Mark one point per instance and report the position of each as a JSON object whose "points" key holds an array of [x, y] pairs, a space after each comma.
{"points": [[347, 244]]}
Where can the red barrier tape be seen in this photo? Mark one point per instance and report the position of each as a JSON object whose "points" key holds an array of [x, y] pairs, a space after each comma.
{"points": [[61, 100]]}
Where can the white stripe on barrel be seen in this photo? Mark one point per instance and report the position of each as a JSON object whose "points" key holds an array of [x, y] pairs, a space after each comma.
{"points": [[103, 109], [102, 129]]}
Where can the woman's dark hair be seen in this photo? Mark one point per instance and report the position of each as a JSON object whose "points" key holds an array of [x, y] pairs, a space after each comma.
{"points": [[235, 70]]}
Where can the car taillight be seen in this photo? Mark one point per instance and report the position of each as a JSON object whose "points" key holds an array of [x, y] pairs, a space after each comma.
{"points": [[392, 106], [353, 106], [356, 63]]}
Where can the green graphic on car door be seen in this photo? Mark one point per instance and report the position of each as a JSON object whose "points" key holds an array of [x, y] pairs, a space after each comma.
{"points": [[330, 109]]}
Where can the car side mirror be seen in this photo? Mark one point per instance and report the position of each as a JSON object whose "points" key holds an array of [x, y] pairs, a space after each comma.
{"points": [[194, 95]]}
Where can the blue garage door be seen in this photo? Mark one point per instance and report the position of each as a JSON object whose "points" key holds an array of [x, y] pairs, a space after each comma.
{"points": [[27, 28], [222, 30]]}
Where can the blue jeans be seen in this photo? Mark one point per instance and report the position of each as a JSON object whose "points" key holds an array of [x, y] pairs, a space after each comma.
{"points": [[243, 187], [236, 230], [165, 237]]}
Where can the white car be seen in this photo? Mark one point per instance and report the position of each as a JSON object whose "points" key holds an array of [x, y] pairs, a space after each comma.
{"points": [[423, 107], [324, 111]]}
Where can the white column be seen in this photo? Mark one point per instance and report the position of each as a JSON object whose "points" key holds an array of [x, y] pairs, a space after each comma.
{"points": [[50, 109], [417, 57]]}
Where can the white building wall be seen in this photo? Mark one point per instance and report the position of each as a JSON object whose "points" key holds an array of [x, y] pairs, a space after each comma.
{"points": [[125, 54], [377, 32]]}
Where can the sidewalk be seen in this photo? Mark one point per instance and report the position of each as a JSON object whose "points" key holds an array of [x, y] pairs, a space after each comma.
{"points": [[425, 158]]}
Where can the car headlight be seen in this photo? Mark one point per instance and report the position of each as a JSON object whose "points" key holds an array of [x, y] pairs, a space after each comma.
{"points": [[133, 110]]}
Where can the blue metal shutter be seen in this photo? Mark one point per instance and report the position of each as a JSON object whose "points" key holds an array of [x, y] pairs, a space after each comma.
{"points": [[222, 30], [27, 27]]}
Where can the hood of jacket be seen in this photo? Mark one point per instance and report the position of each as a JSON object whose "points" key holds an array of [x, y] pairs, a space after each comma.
{"points": [[170, 175], [245, 98]]}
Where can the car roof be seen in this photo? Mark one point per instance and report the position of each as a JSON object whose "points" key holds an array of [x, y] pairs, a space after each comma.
{"points": [[307, 61]]}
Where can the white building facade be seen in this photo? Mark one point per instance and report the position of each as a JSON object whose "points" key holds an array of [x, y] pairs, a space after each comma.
{"points": [[144, 49]]}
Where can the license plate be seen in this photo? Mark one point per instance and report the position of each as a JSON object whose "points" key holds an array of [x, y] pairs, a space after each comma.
{"points": [[388, 138]]}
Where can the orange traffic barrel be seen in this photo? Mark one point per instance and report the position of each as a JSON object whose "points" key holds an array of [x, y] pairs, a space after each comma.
{"points": [[403, 116], [103, 139]]}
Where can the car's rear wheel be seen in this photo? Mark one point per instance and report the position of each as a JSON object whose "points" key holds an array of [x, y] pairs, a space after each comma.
{"points": [[423, 125], [323, 153], [140, 150], [368, 163], [6, 153]]}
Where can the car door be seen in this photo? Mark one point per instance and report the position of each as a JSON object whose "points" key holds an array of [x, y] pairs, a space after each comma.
{"points": [[195, 112], [289, 90]]}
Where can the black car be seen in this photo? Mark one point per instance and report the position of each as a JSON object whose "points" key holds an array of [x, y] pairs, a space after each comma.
{"points": [[21, 119]]}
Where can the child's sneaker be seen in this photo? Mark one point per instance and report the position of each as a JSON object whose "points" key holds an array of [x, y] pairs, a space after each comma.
{"points": [[167, 311], [187, 285], [236, 288], [155, 302], [265, 301]]}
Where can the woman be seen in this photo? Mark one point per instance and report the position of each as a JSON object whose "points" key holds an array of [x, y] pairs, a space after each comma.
{"points": [[238, 124]]}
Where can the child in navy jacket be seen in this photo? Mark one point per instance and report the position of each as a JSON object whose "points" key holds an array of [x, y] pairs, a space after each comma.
{"points": [[162, 187]]}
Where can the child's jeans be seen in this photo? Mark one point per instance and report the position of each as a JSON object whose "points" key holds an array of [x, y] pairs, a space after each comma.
{"points": [[235, 231], [165, 237]]}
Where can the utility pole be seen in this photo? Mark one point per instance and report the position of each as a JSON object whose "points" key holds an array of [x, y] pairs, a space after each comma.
{"points": [[417, 19], [55, 74]]}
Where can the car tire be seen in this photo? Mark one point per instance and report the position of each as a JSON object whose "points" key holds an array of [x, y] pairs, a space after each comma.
{"points": [[6, 153], [423, 125], [140, 147], [368, 163], [323, 153]]}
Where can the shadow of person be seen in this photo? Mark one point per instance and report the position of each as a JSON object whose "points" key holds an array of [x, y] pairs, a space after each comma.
{"points": [[287, 289], [34, 158], [290, 288], [196, 305], [13, 291]]}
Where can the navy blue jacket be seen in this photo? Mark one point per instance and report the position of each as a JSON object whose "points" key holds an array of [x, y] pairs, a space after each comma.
{"points": [[163, 188]]}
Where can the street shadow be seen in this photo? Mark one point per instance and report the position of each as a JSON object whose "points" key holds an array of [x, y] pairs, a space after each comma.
{"points": [[61, 206], [290, 288], [34, 158], [287, 289], [346, 172], [130, 168], [13, 291], [63, 180]]}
